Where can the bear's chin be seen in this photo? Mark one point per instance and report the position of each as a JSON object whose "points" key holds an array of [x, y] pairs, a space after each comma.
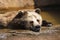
{"points": [[35, 29]]}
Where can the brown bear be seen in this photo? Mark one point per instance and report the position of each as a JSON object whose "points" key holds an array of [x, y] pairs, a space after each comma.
{"points": [[30, 20]]}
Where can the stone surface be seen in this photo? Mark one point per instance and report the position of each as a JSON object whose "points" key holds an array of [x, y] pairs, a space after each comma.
{"points": [[46, 33], [39, 3], [16, 4]]}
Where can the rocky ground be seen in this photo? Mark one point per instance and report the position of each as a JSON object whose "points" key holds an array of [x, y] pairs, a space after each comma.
{"points": [[46, 33]]}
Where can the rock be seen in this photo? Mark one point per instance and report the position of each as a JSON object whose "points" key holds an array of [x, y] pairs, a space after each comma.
{"points": [[39, 3], [4, 36], [16, 4]]}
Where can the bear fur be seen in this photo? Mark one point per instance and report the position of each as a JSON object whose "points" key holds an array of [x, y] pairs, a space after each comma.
{"points": [[30, 20], [23, 19]]}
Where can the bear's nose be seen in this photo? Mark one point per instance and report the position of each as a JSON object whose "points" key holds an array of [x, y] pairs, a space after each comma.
{"points": [[37, 26]]}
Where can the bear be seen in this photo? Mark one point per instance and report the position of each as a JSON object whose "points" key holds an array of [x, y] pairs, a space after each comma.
{"points": [[30, 20], [45, 23]]}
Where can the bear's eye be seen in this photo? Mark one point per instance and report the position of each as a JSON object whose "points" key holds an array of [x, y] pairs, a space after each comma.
{"points": [[31, 21], [37, 20]]}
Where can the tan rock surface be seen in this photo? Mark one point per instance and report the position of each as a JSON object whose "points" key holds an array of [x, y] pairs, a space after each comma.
{"points": [[14, 4]]}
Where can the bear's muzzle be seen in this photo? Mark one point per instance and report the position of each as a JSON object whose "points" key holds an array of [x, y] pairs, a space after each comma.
{"points": [[35, 28]]}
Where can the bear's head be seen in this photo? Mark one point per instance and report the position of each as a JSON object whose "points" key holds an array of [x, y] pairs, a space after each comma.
{"points": [[30, 20]]}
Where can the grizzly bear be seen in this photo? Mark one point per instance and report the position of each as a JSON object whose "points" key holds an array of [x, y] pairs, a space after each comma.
{"points": [[30, 20]]}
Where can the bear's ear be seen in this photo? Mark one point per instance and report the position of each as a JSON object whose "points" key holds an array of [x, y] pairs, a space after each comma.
{"points": [[25, 12], [22, 13], [38, 10], [19, 15]]}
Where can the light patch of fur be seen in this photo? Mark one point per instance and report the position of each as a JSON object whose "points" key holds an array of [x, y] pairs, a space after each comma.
{"points": [[7, 17], [32, 16]]}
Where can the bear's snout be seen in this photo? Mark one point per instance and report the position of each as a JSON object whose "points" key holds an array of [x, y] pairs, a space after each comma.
{"points": [[36, 28]]}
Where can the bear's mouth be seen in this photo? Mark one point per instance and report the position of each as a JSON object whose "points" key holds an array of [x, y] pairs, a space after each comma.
{"points": [[35, 29]]}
